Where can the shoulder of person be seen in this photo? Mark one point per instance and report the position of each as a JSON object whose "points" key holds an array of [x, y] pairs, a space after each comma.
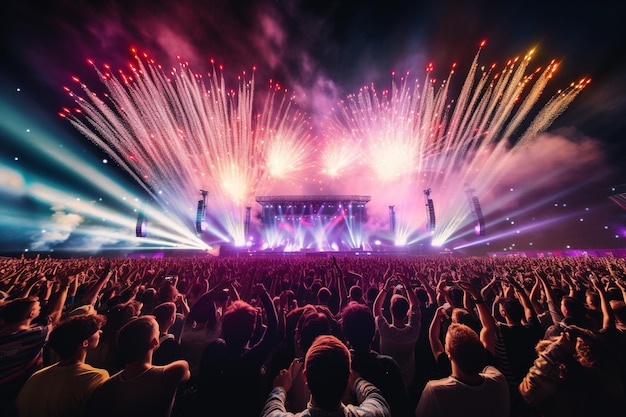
{"points": [[382, 321], [387, 363], [96, 372], [533, 322], [492, 372], [165, 337], [177, 370], [39, 328], [384, 359]]}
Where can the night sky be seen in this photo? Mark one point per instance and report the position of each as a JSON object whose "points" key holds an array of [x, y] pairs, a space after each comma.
{"points": [[322, 50]]}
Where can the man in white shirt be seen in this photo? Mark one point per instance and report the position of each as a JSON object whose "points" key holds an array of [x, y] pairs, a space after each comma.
{"points": [[471, 389]]}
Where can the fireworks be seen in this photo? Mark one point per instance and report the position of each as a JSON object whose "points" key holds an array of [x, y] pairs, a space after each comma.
{"points": [[417, 136], [178, 132]]}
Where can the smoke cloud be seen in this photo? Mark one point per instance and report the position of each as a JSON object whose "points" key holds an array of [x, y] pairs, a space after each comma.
{"points": [[61, 227]]}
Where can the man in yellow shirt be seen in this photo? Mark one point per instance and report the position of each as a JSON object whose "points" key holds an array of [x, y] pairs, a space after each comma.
{"points": [[62, 389]]}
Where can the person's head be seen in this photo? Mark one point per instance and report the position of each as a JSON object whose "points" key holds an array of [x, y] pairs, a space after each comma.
{"points": [[511, 309], [326, 371], [203, 311], [149, 299], [76, 332], [196, 291], [422, 295], [291, 322], [311, 325], [323, 296], [136, 338], [399, 306], [357, 325], [613, 293], [165, 315], [356, 293], [147, 295], [573, 309], [589, 350], [371, 294], [454, 296], [592, 299], [308, 280], [119, 315], [592, 351], [316, 286], [462, 316], [167, 292], [238, 323], [21, 309], [465, 349]]}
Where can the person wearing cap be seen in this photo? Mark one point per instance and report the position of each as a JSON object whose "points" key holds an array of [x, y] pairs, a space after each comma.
{"points": [[62, 389]]}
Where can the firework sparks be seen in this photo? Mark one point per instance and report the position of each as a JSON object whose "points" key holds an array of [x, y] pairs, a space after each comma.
{"points": [[420, 135], [176, 133]]}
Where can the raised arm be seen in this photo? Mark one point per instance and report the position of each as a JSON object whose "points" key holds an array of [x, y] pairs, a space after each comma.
{"points": [[414, 302], [547, 289], [490, 287], [432, 296], [57, 301], [434, 332], [545, 376], [380, 298], [535, 295], [569, 282], [341, 285], [608, 317], [91, 295], [29, 285], [529, 311], [488, 330], [270, 310]]}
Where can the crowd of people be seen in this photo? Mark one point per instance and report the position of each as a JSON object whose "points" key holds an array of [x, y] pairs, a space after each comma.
{"points": [[313, 336]]}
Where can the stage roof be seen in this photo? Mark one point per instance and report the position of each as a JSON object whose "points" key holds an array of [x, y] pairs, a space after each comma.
{"points": [[313, 199]]}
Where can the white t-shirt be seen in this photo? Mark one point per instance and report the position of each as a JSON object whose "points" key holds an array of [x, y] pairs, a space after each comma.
{"points": [[399, 343], [451, 397]]}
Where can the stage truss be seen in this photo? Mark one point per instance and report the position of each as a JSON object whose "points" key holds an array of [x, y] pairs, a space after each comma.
{"points": [[313, 222]]}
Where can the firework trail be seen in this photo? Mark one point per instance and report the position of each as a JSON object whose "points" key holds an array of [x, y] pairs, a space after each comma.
{"points": [[414, 137], [179, 132]]}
